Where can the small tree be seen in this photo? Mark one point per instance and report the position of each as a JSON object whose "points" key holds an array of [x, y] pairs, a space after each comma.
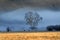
{"points": [[8, 29], [32, 19]]}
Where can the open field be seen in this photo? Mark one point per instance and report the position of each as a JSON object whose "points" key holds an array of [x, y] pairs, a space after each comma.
{"points": [[30, 36]]}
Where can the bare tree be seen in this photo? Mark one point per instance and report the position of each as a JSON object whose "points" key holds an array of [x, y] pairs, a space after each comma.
{"points": [[32, 19]]}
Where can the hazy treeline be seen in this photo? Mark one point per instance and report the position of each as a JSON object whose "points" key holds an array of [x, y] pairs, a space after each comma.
{"points": [[53, 27]]}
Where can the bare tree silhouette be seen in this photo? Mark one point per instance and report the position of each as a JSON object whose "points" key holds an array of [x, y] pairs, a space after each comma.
{"points": [[32, 19]]}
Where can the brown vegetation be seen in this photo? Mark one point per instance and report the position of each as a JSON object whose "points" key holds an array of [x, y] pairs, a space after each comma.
{"points": [[30, 36]]}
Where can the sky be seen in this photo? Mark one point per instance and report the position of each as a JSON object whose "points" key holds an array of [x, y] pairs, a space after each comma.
{"points": [[17, 21]]}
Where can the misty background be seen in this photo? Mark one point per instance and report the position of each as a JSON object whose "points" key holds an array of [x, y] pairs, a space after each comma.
{"points": [[15, 19], [12, 13]]}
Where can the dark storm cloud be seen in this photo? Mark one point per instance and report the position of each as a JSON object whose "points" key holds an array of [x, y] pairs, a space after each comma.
{"points": [[6, 5]]}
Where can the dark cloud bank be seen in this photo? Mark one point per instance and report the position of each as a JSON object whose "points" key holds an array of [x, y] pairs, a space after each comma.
{"points": [[6, 5]]}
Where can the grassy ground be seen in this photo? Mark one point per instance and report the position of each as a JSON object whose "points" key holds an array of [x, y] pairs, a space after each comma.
{"points": [[30, 36]]}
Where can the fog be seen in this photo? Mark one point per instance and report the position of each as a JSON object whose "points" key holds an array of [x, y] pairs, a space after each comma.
{"points": [[15, 19]]}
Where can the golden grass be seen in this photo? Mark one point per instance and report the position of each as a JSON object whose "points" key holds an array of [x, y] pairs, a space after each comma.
{"points": [[30, 36]]}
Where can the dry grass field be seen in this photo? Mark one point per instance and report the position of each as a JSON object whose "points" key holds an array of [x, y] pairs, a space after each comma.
{"points": [[30, 36]]}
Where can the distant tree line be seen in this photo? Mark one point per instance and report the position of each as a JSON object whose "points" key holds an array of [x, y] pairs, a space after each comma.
{"points": [[53, 27]]}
